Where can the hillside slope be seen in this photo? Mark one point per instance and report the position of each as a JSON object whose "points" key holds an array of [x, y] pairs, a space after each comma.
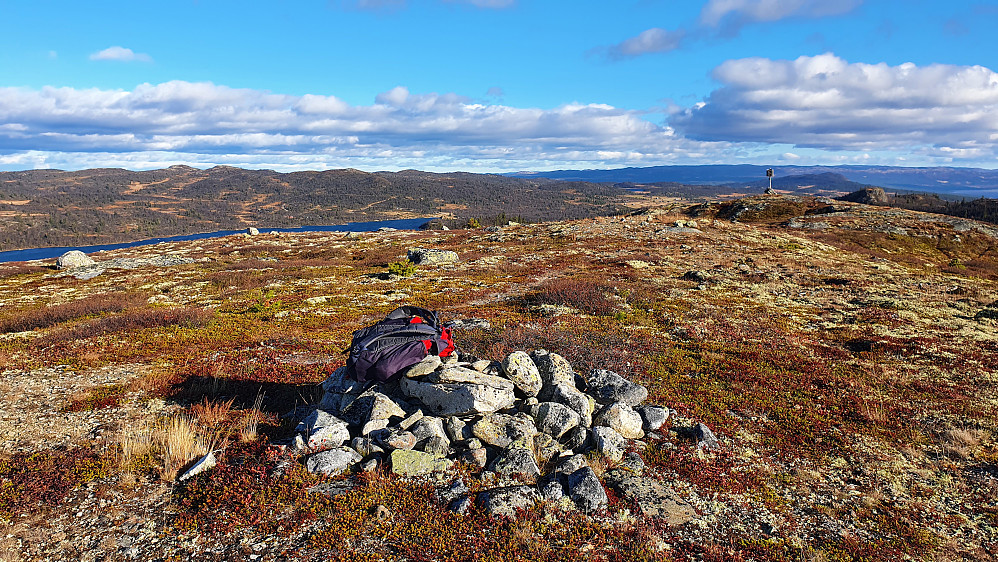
{"points": [[102, 206], [846, 357]]}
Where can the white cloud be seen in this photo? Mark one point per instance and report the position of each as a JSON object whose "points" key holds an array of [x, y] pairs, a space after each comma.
{"points": [[825, 102], [735, 13], [654, 40], [122, 54], [204, 122], [726, 18]]}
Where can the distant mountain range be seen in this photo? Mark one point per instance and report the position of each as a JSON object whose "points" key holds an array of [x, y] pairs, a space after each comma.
{"points": [[967, 182]]}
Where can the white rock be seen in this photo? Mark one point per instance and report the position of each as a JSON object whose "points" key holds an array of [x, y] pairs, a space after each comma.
{"points": [[73, 258]]}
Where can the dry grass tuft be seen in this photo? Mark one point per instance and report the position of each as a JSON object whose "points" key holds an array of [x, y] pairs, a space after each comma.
{"points": [[251, 422], [212, 413], [960, 443], [137, 448], [180, 442]]}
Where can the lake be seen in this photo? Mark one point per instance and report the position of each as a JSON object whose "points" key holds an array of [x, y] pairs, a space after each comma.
{"points": [[49, 253]]}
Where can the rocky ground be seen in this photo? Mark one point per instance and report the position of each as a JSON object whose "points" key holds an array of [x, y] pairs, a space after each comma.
{"points": [[845, 357]]}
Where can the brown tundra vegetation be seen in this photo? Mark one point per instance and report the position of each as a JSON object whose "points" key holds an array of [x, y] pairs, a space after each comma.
{"points": [[845, 356]]}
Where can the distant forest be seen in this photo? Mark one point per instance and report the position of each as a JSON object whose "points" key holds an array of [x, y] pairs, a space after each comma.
{"points": [[57, 208], [982, 209]]}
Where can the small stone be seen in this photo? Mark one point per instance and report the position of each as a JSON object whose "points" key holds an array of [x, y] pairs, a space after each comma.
{"points": [[705, 437], [424, 367], [582, 403], [365, 446], [425, 256], [653, 499], [372, 426], [608, 387], [436, 446], [609, 443], [402, 440], [576, 438], [370, 465], [409, 421], [429, 426], [571, 464], [505, 502], [482, 365], [206, 463], [554, 369], [252, 231], [333, 461], [381, 512], [324, 430], [475, 457], [516, 462], [457, 429], [622, 419], [586, 490], [652, 417], [555, 419], [500, 430]]}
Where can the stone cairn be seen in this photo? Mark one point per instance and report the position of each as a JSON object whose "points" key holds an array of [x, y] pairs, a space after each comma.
{"points": [[527, 421]]}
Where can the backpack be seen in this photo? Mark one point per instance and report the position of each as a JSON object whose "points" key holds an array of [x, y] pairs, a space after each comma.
{"points": [[380, 352]]}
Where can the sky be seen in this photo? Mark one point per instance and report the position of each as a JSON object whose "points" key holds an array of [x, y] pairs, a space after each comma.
{"points": [[497, 85]]}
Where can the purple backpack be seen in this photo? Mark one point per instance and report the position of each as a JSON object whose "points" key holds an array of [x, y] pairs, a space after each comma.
{"points": [[380, 352]]}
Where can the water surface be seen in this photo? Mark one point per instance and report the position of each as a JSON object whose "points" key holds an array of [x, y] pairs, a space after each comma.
{"points": [[54, 252]]}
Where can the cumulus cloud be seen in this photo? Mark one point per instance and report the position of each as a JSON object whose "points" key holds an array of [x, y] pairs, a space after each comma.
{"points": [[122, 54], [825, 102], [200, 122]]}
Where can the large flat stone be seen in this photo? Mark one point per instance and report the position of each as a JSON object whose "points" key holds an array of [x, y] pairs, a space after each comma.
{"points": [[452, 399]]}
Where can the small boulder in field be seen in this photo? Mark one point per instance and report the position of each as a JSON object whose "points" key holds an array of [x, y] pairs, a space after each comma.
{"points": [[72, 259]]}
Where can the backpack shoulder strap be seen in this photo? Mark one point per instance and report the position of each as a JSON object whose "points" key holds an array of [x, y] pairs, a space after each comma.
{"points": [[408, 311]]}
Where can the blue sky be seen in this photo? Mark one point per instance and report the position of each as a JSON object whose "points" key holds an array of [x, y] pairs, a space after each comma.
{"points": [[497, 85]]}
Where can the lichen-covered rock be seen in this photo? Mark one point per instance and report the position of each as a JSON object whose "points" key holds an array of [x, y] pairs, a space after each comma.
{"points": [[622, 419], [586, 490], [429, 364], [429, 256], [450, 399], [204, 464], [608, 387], [555, 419], [515, 461], [435, 446], [333, 461], [582, 403], [576, 439], [462, 375], [501, 430], [73, 259], [427, 428], [705, 437], [323, 430], [652, 417], [554, 369], [609, 443], [506, 501], [652, 498], [413, 463], [520, 368], [371, 405]]}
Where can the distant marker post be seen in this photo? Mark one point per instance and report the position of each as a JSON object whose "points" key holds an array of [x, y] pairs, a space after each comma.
{"points": [[769, 174]]}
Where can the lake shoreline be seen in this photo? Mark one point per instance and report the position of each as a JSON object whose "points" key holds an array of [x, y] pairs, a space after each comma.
{"points": [[34, 254]]}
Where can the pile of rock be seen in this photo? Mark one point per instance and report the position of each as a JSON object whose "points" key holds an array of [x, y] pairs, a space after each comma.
{"points": [[526, 421]]}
